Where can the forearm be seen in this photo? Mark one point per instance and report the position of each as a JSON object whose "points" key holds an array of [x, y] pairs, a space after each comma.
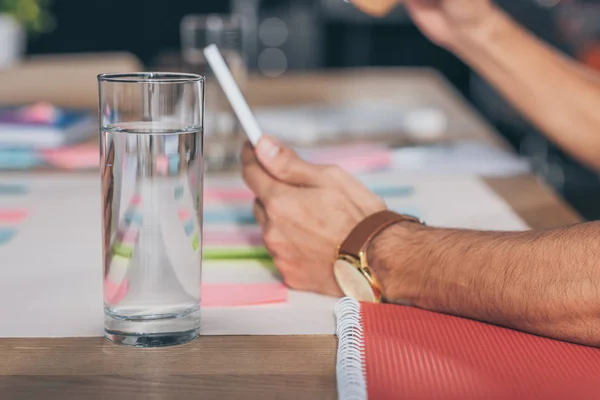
{"points": [[555, 93], [545, 282]]}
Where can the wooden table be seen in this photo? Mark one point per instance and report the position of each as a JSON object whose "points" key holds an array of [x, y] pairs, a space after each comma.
{"points": [[251, 367]]}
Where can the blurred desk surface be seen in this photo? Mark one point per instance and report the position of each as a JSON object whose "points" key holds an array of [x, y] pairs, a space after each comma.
{"points": [[249, 367], [407, 87]]}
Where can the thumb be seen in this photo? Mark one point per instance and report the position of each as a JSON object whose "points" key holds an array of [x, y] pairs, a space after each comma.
{"points": [[284, 164]]}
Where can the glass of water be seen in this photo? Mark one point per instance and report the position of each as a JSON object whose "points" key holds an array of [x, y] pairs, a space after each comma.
{"points": [[151, 159], [223, 131]]}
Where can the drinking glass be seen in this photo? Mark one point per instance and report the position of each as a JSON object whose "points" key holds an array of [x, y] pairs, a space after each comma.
{"points": [[151, 160], [223, 133]]}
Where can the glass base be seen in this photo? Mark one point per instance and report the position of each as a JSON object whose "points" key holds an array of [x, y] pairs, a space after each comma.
{"points": [[152, 333], [152, 340]]}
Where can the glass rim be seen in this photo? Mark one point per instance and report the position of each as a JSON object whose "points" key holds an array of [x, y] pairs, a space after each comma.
{"points": [[150, 77]]}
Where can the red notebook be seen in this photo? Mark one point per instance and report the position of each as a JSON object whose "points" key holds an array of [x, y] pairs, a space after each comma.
{"points": [[395, 352]]}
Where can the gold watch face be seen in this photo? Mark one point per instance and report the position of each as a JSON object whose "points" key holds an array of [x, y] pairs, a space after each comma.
{"points": [[352, 282]]}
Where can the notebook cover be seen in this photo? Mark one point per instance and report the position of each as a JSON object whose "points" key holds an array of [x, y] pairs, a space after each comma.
{"points": [[10, 116], [395, 352]]}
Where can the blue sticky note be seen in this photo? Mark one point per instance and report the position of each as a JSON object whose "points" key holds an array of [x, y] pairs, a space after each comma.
{"points": [[240, 217], [133, 217], [189, 227], [178, 192], [13, 189], [173, 164], [6, 234], [19, 159], [393, 191]]}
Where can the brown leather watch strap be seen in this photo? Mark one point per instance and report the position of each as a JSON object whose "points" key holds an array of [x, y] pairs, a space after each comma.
{"points": [[368, 228]]}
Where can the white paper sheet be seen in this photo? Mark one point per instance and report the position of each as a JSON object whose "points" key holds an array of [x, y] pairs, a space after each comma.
{"points": [[450, 201], [51, 272], [310, 123], [462, 157]]}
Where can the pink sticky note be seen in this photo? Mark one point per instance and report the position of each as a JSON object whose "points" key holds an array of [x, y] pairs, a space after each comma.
{"points": [[366, 162], [76, 157], [136, 200], [353, 158], [12, 216], [232, 239], [183, 214], [236, 295], [216, 294], [216, 194], [162, 164], [42, 113], [129, 236], [225, 230], [115, 292]]}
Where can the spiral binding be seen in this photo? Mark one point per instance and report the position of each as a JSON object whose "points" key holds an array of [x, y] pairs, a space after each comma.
{"points": [[351, 379]]}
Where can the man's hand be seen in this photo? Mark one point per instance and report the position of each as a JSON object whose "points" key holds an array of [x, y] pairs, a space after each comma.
{"points": [[445, 21], [442, 21], [305, 211]]}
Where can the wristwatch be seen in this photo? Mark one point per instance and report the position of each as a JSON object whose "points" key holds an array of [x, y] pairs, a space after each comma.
{"points": [[351, 270]]}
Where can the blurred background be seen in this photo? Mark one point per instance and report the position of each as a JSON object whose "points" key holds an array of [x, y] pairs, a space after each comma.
{"points": [[279, 38]]}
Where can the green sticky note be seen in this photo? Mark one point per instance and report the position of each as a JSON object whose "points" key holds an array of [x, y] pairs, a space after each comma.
{"points": [[235, 253], [122, 250], [195, 242]]}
